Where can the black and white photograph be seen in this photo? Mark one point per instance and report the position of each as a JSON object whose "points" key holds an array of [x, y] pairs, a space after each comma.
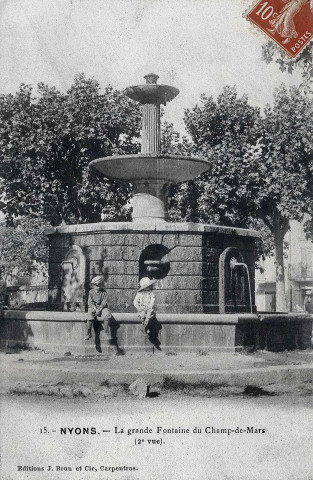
{"points": [[156, 239]]}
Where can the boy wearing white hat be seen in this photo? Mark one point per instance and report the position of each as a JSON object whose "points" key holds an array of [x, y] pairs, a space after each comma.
{"points": [[144, 301], [98, 305]]}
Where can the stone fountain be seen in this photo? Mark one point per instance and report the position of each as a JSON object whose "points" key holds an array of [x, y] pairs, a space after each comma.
{"points": [[192, 262], [205, 273]]}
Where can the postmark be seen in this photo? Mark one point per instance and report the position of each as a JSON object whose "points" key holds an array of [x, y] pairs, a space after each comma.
{"points": [[288, 22]]}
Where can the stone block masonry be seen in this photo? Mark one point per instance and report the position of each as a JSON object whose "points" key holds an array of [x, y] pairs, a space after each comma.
{"points": [[192, 282]]}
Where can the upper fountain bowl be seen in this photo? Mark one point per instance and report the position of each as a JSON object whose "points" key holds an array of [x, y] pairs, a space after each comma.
{"points": [[151, 92]]}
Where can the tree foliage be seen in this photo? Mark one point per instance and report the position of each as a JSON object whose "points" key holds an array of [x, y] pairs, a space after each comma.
{"points": [[47, 141], [304, 65], [23, 247]]}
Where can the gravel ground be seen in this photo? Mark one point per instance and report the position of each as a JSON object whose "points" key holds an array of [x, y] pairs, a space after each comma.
{"points": [[36, 372]]}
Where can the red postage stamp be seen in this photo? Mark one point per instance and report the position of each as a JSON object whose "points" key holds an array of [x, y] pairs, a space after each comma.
{"points": [[288, 22]]}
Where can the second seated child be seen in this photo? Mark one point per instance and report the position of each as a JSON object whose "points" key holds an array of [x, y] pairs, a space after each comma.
{"points": [[144, 302]]}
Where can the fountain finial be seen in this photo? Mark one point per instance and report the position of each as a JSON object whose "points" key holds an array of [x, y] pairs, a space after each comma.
{"points": [[150, 92], [151, 78]]}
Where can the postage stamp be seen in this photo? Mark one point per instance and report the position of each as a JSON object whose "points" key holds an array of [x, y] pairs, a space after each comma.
{"points": [[288, 22]]}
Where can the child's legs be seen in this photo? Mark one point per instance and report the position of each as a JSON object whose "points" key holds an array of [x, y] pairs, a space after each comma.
{"points": [[142, 315], [105, 317], [150, 314], [91, 316], [90, 319], [146, 316]]}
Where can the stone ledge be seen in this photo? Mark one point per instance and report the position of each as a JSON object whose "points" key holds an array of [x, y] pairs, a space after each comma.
{"points": [[152, 227], [285, 317], [173, 318], [179, 318]]}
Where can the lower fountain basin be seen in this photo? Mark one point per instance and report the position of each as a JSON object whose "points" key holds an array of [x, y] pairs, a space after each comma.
{"points": [[151, 167], [60, 332]]}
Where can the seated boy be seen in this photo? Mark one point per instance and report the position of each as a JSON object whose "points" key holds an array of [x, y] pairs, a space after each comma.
{"points": [[98, 306], [144, 302]]}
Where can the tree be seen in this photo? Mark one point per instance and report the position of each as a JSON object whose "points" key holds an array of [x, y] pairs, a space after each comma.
{"points": [[260, 166], [23, 247], [46, 143], [287, 149]]}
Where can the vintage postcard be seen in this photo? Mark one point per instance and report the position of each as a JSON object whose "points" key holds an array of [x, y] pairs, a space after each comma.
{"points": [[156, 254]]}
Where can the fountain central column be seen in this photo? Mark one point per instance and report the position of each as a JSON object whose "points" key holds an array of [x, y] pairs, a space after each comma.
{"points": [[149, 201], [150, 196]]}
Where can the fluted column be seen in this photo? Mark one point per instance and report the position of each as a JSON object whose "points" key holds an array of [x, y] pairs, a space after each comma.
{"points": [[151, 129]]}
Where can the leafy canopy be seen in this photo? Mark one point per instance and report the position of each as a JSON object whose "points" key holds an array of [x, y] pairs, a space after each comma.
{"points": [[23, 247], [47, 141], [259, 164]]}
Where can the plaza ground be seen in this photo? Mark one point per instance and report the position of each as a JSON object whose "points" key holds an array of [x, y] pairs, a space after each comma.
{"points": [[182, 372]]}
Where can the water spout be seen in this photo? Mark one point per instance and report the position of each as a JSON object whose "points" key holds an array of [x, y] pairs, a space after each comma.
{"points": [[233, 263]]}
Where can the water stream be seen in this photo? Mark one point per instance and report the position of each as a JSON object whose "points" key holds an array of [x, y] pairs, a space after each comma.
{"points": [[233, 264]]}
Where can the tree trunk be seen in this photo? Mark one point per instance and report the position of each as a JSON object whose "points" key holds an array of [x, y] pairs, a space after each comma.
{"points": [[281, 304]]}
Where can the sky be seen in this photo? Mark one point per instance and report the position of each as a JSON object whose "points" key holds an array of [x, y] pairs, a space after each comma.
{"points": [[198, 46]]}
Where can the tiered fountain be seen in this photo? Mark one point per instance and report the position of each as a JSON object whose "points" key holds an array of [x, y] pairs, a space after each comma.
{"points": [[205, 288], [190, 261], [150, 172]]}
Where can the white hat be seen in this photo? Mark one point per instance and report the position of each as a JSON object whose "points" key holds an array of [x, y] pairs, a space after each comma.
{"points": [[145, 282], [96, 280]]}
